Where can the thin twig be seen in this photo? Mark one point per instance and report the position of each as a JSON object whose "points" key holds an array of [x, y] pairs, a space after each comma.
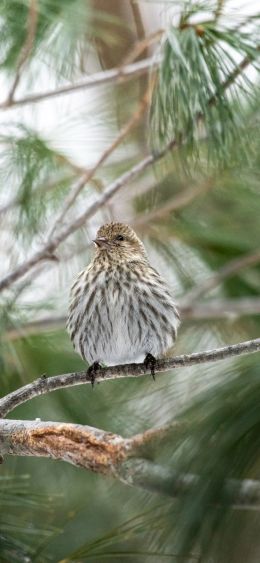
{"points": [[26, 50], [177, 202], [221, 309], [246, 61], [45, 385], [88, 175], [98, 79], [230, 269]]}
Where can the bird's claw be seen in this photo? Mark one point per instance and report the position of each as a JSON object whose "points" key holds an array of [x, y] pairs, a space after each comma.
{"points": [[91, 372], [150, 362]]}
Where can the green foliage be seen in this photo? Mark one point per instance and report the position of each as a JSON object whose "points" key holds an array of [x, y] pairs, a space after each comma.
{"points": [[129, 540], [191, 100], [63, 31], [27, 163], [19, 534], [220, 441]]}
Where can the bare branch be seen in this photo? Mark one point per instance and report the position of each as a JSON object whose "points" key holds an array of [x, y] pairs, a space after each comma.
{"points": [[148, 475], [47, 384], [221, 309], [230, 269], [177, 202], [99, 78], [112, 455], [114, 75], [83, 446], [88, 175]]}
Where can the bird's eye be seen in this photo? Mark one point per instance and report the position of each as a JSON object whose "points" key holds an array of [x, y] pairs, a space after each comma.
{"points": [[119, 237]]}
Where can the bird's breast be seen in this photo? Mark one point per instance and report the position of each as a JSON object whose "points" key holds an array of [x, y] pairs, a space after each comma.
{"points": [[121, 315]]}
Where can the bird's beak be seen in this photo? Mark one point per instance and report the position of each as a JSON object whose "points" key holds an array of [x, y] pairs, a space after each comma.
{"points": [[101, 242]]}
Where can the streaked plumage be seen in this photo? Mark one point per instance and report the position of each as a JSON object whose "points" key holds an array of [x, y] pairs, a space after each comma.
{"points": [[120, 307]]}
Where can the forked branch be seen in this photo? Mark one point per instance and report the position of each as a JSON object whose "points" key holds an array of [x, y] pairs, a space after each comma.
{"points": [[110, 454]]}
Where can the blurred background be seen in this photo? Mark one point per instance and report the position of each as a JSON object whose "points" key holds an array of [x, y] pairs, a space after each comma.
{"points": [[175, 74]]}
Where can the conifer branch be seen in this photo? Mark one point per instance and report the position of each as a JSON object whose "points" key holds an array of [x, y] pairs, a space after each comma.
{"points": [[47, 252], [113, 75], [112, 455], [45, 384]]}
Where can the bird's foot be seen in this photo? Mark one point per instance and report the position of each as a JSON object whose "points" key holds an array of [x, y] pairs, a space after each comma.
{"points": [[150, 362], [91, 372]]}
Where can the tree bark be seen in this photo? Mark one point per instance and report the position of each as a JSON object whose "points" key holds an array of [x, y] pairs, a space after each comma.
{"points": [[110, 454]]}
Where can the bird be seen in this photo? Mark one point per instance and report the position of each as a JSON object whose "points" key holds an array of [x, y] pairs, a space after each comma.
{"points": [[121, 310]]}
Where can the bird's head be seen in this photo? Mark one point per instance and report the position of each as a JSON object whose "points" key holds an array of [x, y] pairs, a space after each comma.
{"points": [[117, 242]]}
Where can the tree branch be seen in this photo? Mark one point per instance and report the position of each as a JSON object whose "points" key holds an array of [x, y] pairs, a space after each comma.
{"points": [[47, 384], [221, 309], [99, 78], [46, 253], [80, 445], [88, 175], [112, 455], [246, 61], [228, 270], [179, 201]]}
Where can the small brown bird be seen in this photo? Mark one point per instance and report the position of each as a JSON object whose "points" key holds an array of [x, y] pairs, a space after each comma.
{"points": [[121, 310]]}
